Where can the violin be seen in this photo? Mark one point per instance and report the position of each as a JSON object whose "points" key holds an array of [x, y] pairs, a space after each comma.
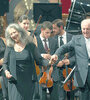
{"points": [[46, 79], [68, 86], [36, 66], [0, 86]]}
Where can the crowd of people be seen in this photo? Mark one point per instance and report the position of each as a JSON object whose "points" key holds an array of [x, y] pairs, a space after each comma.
{"points": [[53, 50]]}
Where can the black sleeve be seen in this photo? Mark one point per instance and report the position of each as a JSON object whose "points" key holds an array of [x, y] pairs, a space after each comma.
{"points": [[2, 48], [6, 59], [37, 56]]}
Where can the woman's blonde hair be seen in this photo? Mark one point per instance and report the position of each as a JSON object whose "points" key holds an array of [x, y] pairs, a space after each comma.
{"points": [[24, 38]]}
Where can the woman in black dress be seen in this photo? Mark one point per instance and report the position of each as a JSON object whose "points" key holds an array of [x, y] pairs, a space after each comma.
{"points": [[18, 65]]}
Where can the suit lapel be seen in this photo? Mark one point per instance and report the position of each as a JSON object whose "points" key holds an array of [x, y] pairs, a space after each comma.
{"points": [[83, 44], [68, 36], [41, 47], [56, 38], [49, 41], [50, 44]]}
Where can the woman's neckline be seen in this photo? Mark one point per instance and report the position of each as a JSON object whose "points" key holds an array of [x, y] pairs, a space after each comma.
{"points": [[19, 47]]}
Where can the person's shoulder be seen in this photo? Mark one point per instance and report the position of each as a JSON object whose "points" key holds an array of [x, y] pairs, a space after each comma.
{"points": [[77, 36], [7, 47], [55, 37], [31, 45], [52, 38], [69, 34], [3, 40], [0, 39], [38, 36]]}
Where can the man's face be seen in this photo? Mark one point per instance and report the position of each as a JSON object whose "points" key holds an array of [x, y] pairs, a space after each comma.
{"points": [[46, 33], [86, 29], [56, 29]]}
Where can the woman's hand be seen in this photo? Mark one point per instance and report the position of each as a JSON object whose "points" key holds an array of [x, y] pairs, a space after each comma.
{"points": [[46, 56], [8, 75]]}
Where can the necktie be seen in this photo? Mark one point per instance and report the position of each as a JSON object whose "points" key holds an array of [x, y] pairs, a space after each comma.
{"points": [[61, 41], [46, 47]]}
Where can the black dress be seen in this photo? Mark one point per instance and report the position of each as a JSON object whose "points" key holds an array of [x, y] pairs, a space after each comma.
{"points": [[22, 71], [2, 48]]}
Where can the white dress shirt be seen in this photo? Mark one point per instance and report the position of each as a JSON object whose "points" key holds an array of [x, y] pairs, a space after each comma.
{"points": [[42, 39], [63, 38], [88, 46]]}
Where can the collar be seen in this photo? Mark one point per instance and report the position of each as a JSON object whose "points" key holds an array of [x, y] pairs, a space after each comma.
{"points": [[87, 40], [62, 35], [43, 38]]}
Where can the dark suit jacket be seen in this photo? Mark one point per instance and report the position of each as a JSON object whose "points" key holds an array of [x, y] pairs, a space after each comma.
{"points": [[57, 72], [52, 45], [78, 45], [71, 54]]}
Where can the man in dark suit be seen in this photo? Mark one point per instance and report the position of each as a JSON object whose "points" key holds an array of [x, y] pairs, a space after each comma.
{"points": [[47, 47], [46, 29], [81, 45], [62, 37]]}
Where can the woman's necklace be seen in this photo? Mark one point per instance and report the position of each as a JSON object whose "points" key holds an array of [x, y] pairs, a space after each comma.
{"points": [[19, 47]]}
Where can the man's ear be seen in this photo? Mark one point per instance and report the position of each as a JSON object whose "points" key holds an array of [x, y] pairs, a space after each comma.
{"points": [[42, 29], [61, 27], [18, 22]]}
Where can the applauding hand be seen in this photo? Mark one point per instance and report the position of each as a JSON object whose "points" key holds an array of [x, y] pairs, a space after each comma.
{"points": [[53, 59]]}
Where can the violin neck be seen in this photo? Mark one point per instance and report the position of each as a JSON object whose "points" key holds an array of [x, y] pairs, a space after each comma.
{"points": [[67, 70]]}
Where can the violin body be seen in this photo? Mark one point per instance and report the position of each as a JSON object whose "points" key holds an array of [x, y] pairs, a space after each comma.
{"points": [[46, 80], [37, 68], [0, 86], [68, 86]]}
